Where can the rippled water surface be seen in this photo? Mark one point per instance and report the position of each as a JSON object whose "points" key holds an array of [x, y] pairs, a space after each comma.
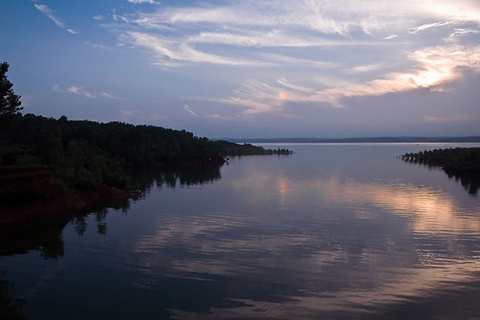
{"points": [[330, 232]]}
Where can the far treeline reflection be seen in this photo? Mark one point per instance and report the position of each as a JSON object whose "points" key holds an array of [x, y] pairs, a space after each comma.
{"points": [[460, 163]]}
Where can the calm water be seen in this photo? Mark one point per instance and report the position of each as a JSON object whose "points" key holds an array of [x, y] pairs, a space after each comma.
{"points": [[331, 232]]}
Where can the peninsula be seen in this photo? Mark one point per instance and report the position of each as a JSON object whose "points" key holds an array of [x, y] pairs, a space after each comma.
{"points": [[49, 166]]}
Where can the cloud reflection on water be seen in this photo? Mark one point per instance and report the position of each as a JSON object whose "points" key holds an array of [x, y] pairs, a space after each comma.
{"points": [[350, 247]]}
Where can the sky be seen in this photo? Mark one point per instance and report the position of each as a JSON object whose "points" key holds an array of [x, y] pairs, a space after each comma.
{"points": [[250, 69]]}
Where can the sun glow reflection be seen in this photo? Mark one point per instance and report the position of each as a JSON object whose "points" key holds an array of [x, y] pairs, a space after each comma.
{"points": [[283, 187], [211, 237], [284, 191], [432, 211]]}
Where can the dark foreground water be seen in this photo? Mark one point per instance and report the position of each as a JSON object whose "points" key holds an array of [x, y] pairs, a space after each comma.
{"points": [[330, 232]]}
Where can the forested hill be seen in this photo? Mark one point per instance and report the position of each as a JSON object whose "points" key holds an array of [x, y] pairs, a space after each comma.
{"points": [[132, 145], [88, 153]]}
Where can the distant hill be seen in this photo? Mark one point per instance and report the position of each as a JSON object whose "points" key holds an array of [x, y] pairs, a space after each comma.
{"points": [[361, 140]]}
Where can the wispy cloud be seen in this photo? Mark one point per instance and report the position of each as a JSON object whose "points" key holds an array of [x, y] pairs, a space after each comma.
{"points": [[450, 119], [82, 92], [141, 1], [458, 33], [366, 68], [244, 33], [171, 53], [435, 67], [390, 37], [179, 36], [219, 117], [51, 15], [87, 94], [97, 45], [190, 111], [301, 45], [139, 116], [427, 26]]}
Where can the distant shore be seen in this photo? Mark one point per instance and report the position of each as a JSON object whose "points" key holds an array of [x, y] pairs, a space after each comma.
{"points": [[402, 139]]}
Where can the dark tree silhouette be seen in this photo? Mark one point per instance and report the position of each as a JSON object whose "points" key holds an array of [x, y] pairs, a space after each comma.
{"points": [[462, 163], [9, 101]]}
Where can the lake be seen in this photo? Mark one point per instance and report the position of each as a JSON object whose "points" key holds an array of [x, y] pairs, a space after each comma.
{"points": [[333, 231]]}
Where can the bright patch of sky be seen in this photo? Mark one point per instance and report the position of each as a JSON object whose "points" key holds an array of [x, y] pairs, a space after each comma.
{"points": [[289, 68]]}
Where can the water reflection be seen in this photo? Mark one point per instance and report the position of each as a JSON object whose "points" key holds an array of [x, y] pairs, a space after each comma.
{"points": [[269, 241], [470, 182], [433, 212], [303, 267], [354, 249], [44, 236], [198, 175], [10, 307]]}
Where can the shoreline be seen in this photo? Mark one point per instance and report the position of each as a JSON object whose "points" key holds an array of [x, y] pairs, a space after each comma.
{"points": [[29, 195]]}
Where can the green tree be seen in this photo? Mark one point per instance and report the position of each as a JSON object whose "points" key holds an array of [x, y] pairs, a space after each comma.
{"points": [[9, 101]]}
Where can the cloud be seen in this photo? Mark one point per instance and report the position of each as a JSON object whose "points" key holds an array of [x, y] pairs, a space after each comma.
{"points": [[285, 83], [240, 33], [321, 16], [390, 37], [51, 15], [366, 68], [424, 27], [287, 52], [108, 95], [190, 111], [254, 97], [80, 91], [120, 18], [219, 117], [87, 94], [458, 33], [435, 67], [278, 60], [56, 88], [450, 119], [184, 35], [170, 53], [459, 10], [96, 45], [141, 1], [139, 116]]}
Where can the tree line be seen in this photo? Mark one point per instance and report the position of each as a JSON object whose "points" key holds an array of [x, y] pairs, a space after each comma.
{"points": [[452, 160], [85, 153]]}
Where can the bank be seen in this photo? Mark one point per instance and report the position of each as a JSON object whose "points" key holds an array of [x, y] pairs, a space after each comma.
{"points": [[35, 193]]}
